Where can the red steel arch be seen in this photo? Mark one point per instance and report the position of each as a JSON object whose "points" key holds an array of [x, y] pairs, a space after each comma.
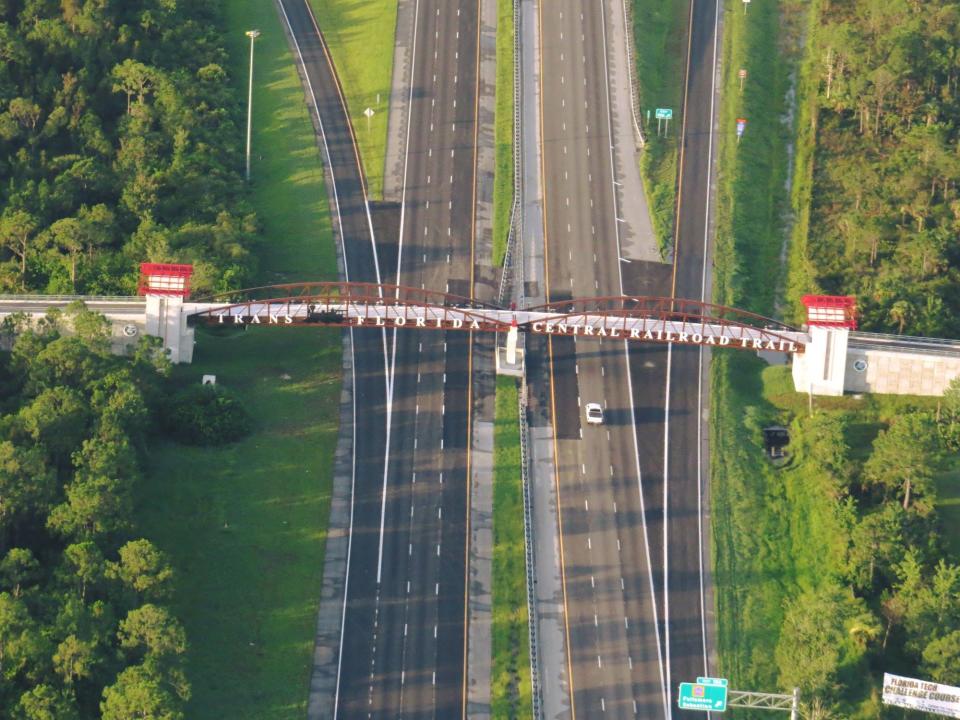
{"points": [[383, 305]]}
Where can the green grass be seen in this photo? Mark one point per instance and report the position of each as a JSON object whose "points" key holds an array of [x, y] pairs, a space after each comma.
{"points": [[754, 531], [660, 39], [246, 523], [510, 673], [360, 34], [503, 131]]}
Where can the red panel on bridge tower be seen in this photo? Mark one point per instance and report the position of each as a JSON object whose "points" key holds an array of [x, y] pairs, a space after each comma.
{"points": [[164, 279], [831, 310]]}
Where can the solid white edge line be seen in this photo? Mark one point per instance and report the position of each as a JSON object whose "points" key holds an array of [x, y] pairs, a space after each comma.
{"points": [[666, 515], [346, 272], [664, 681], [387, 367], [703, 291]]}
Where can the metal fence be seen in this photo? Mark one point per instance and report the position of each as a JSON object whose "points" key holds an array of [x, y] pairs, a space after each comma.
{"points": [[71, 298], [634, 89], [528, 551]]}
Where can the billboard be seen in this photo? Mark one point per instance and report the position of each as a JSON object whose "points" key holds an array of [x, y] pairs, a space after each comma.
{"points": [[929, 697]]}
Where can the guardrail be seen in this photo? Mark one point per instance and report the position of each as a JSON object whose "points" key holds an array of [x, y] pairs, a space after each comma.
{"points": [[528, 551], [507, 273], [634, 89], [71, 298]]}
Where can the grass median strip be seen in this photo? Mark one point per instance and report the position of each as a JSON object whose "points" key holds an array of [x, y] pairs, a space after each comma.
{"points": [[660, 35], [503, 177], [246, 523], [361, 39], [510, 673]]}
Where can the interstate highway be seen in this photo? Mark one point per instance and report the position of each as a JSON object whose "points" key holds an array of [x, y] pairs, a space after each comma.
{"points": [[402, 647], [615, 658], [421, 672], [630, 501]]}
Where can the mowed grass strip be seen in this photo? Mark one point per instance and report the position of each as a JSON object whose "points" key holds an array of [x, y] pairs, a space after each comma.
{"points": [[503, 173], [360, 34], [510, 672], [753, 532], [246, 523], [660, 44]]}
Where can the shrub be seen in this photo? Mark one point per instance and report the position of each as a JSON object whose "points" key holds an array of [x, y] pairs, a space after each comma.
{"points": [[206, 415]]}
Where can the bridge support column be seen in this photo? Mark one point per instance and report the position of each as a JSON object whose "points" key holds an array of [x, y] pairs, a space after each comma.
{"points": [[165, 287], [821, 369], [167, 321]]}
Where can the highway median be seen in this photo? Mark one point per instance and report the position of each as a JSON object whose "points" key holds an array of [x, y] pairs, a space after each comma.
{"points": [[360, 36], [510, 672], [503, 131], [660, 47]]}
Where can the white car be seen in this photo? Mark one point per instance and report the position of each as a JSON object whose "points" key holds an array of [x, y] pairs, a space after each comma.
{"points": [[594, 414]]}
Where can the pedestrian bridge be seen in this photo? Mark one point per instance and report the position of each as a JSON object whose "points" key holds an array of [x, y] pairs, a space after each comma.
{"points": [[827, 358], [364, 305]]}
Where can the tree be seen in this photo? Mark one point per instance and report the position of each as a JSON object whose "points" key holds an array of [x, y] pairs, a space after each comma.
{"points": [[133, 78], [58, 419], [43, 702], [75, 659], [84, 564], [950, 415], [27, 484], [824, 632], [18, 569], [19, 643], [905, 458], [941, 658], [26, 112], [827, 448], [94, 507], [139, 693], [144, 569], [876, 542], [926, 604], [16, 234], [152, 629], [70, 236]]}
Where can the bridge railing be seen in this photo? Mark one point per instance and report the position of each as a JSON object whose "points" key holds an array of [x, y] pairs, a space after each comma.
{"points": [[631, 72], [71, 298]]}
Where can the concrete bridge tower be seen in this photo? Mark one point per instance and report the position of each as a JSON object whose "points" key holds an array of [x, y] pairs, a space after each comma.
{"points": [[165, 286], [821, 369]]}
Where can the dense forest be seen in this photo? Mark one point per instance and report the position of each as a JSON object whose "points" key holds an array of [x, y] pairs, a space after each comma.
{"points": [[885, 204], [886, 595], [118, 144], [84, 632]]}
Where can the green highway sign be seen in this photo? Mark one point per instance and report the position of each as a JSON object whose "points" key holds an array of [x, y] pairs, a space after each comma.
{"points": [[664, 114], [707, 694], [711, 681]]}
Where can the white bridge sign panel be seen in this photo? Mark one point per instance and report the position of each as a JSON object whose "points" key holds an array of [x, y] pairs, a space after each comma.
{"points": [[929, 697]]}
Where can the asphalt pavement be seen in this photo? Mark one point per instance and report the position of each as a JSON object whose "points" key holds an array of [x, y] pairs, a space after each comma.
{"points": [[611, 618], [631, 491], [402, 648], [406, 657]]}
